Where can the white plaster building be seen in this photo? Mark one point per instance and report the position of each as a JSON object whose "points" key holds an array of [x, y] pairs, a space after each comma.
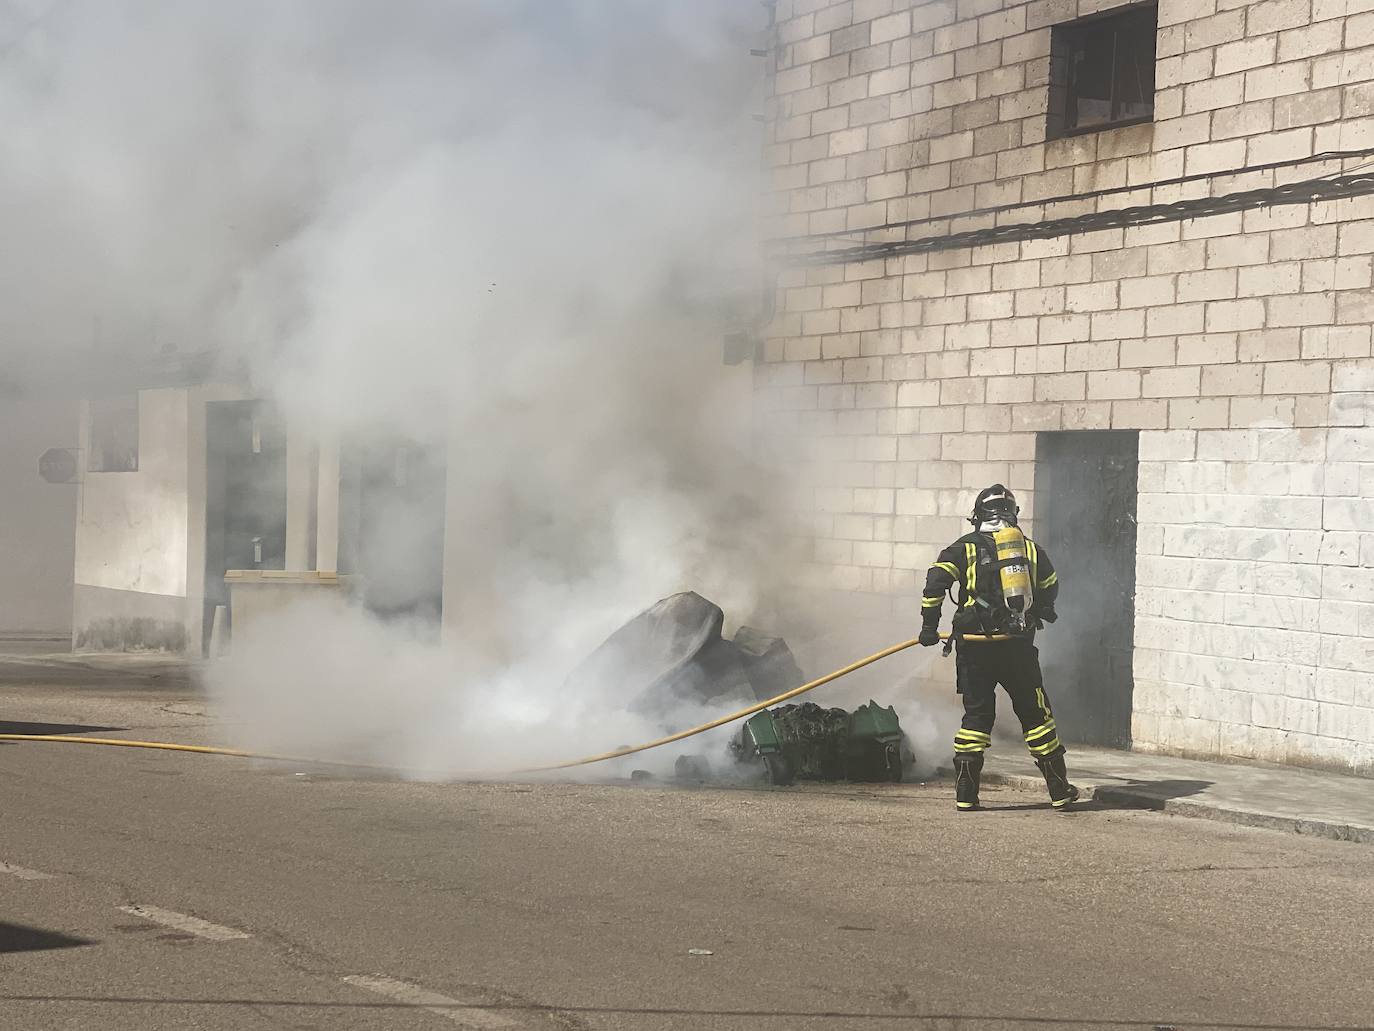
{"points": [[37, 519], [141, 529], [971, 292], [182, 482]]}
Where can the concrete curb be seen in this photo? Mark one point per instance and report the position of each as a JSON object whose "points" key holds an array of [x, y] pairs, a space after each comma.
{"points": [[1143, 799]]}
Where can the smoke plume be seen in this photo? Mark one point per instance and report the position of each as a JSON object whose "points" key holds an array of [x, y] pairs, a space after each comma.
{"points": [[513, 227], [518, 228]]}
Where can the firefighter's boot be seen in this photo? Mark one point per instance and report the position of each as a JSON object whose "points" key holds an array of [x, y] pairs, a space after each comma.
{"points": [[1062, 793], [967, 769]]}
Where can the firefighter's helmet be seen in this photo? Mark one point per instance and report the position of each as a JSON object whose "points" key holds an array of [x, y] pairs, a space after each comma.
{"points": [[993, 504]]}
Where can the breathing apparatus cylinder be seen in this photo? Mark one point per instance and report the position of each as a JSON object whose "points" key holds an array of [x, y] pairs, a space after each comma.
{"points": [[1013, 567]]}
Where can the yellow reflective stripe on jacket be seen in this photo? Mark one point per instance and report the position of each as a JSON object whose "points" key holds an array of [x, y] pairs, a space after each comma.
{"points": [[970, 572], [1033, 553], [948, 567], [932, 603]]}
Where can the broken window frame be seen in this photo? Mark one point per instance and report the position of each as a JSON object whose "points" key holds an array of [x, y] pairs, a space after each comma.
{"points": [[114, 432], [1133, 29]]}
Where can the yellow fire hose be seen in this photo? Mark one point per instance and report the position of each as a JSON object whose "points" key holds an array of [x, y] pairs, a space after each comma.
{"points": [[168, 746]]}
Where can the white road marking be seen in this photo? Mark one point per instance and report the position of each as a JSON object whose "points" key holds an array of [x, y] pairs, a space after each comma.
{"points": [[181, 922], [454, 1009], [23, 873]]}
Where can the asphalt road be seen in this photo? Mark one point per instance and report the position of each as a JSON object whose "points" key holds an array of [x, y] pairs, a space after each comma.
{"points": [[156, 890]]}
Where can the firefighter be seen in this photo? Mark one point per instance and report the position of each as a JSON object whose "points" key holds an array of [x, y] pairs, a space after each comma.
{"points": [[1007, 586]]}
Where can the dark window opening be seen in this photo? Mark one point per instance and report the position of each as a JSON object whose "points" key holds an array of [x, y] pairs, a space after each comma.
{"points": [[114, 435], [1102, 72]]}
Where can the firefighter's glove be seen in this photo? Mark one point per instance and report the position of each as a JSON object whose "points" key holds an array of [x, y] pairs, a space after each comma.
{"points": [[1046, 615], [930, 636]]}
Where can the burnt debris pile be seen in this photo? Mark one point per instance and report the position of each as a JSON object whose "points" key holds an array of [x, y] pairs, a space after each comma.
{"points": [[673, 654], [673, 661]]}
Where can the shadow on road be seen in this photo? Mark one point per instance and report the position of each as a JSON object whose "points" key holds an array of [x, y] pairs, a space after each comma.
{"points": [[1145, 794], [1128, 794], [21, 727], [1134, 794], [18, 938]]}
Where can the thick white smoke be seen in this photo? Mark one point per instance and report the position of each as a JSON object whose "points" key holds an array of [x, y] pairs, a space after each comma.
{"points": [[511, 224], [376, 200]]}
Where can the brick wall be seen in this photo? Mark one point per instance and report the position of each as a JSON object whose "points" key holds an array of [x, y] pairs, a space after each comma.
{"points": [[1255, 593], [1240, 344], [887, 110]]}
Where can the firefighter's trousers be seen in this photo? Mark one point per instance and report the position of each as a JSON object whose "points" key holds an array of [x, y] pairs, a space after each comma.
{"points": [[1016, 666]]}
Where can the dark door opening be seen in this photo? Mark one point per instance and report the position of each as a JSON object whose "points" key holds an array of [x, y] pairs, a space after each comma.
{"points": [[392, 507], [245, 503], [1085, 515]]}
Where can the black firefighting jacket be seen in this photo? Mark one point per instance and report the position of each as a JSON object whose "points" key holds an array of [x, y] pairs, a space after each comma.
{"points": [[971, 562]]}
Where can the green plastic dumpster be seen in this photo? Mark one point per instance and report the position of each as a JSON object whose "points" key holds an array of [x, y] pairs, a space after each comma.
{"points": [[759, 740], [875, 743], [816, 743]]}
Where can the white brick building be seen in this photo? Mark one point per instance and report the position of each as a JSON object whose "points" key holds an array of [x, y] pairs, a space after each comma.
{"points": [[1223, 335]]}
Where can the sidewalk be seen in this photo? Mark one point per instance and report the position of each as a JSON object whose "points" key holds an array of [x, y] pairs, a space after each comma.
{"points": [[1326, 805]]}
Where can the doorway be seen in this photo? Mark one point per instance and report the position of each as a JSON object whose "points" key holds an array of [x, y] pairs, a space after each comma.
{"points": [[392, 509], [1085, 517], [245, 496]]}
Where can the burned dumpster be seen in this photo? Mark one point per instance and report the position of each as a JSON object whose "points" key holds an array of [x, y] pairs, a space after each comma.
{"points": [[673, 652], [672, 659], [810, 742]]}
